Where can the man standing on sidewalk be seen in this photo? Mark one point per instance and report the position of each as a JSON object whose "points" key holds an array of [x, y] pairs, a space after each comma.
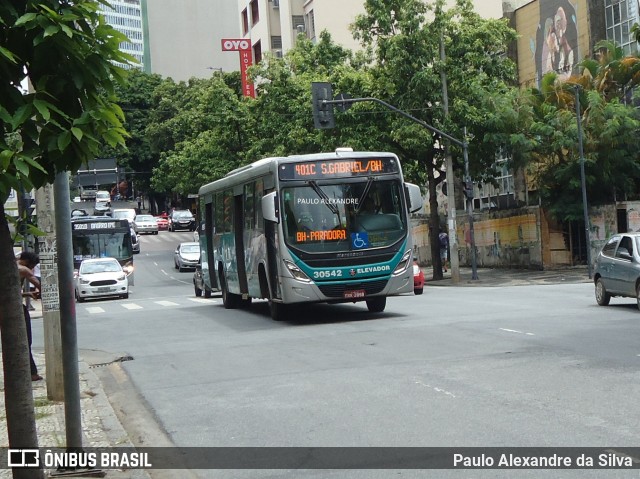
{"points": [[27, 260]]}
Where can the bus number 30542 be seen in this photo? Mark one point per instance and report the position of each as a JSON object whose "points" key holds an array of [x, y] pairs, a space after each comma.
{"points": [[328, 273]]}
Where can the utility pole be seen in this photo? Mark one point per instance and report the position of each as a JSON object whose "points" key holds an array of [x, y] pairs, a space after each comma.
{"points": [[69, 334], [583, 182], [451, 198], [49, 292]]}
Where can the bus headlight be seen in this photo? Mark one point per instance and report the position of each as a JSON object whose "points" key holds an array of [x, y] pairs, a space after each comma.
{"points": [[403, 264], [296, 272]]}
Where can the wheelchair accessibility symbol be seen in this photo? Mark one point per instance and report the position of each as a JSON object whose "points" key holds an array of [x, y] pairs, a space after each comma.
{"points": [[359, 240]]}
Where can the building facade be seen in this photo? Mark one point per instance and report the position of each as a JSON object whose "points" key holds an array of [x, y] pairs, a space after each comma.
{"points": [[126, 17]]}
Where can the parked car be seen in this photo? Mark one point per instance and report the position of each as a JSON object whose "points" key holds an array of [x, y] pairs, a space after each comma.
{"points": [[182, 220], [186, 256], [198, 283], [145, 224], [101, 209], [163, 223], [617, 269], [135, 242], [418, 278], [101, 277]]}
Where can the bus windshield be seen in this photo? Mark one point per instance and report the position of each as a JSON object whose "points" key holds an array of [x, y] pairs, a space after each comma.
{"points": [[102, 245], [343, 217]]}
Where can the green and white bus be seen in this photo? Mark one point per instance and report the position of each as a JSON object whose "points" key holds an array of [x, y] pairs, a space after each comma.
{"points": [[330, 227]]}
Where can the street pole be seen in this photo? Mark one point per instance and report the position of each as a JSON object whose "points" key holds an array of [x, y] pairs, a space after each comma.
{"points": [[451, 197], [49, 293], [583, 181], [469, 199], [69, 336]]}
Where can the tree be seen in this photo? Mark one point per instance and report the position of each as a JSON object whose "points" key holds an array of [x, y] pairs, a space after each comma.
{"points": [[65, 50], [405, 36], [610, 132]]}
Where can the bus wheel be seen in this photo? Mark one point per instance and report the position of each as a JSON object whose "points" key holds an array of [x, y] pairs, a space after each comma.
{"points": [[377, 305], [198, 291], [229, 300], [279, 311]]}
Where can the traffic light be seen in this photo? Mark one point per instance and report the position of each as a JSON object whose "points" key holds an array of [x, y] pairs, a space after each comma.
{"points": [[321, 92]]}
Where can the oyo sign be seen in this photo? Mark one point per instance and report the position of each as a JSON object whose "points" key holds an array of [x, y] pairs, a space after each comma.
{"points": [[243, 46], [235, 45]]}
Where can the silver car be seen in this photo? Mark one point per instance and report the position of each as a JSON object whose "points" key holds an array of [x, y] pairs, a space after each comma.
{"points": [[101, 277], [145, 224], [187, 256], [617, 269]]}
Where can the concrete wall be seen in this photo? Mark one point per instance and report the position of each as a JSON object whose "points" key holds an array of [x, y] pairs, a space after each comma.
{"points": [[508, 238]]}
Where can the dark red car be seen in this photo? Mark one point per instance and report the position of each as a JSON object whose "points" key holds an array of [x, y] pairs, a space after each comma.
{"points": [[163, 223]]}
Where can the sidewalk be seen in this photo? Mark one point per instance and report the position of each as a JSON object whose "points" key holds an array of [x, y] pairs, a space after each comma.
{"points": [[100, 425], [510, 277]]}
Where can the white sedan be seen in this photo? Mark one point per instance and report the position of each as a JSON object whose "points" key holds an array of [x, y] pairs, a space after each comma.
{"points": [[101, 277], [145, 224]]}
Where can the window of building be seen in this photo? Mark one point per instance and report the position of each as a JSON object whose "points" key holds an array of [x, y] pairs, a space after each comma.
{"points": [[298, 23], [255, 12], [257, 52], [311, 25], [276, 41], [245, 22], [620, 16], [490, 196]]}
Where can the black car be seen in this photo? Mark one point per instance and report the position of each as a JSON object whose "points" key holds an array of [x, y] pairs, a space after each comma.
{"points": [[102, 209], [182, 220]]}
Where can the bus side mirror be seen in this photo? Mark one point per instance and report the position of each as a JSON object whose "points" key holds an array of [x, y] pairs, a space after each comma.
{"points": [[414, 196], [270, 207]]}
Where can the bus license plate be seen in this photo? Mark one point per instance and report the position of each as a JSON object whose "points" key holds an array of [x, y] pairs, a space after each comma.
{"points": [[358, 293]]}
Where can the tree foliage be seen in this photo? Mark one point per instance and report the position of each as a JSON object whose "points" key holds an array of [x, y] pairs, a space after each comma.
{"points": [[65, 51], [609, 134]]}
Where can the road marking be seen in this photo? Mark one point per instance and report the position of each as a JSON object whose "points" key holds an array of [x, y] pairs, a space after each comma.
{"points": [[131, 306], [436, 389], [515, 331], [166, 303], [202, 300], [94, 310]]}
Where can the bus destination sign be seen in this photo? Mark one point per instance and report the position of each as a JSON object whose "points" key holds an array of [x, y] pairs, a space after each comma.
{"points": [[321, 169]]}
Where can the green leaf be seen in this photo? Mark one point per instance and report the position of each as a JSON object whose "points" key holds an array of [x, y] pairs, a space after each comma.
{"points": [[8, 54], [43, 108], [77, 132], [21, 166], [21, 115], [26, 18], [64, 140], [51, 30]]}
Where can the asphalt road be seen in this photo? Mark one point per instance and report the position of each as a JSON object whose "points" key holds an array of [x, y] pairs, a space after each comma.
{"points": [[514, 366]]}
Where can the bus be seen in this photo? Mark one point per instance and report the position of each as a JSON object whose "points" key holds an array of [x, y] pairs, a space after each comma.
{"points": [[328, 227], [99, 237]]}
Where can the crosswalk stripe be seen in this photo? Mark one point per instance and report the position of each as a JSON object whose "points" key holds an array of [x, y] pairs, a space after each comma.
{"points": [[202, 300], [131, 306], [94, 310], [166, 303]]}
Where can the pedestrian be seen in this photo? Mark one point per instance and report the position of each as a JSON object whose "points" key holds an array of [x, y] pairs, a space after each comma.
{"points": [[139, 199], [443, 239], [27, 260]]}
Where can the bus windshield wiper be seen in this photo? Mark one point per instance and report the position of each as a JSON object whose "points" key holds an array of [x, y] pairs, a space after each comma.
{"points": [[364, 194], [327, 201]]}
